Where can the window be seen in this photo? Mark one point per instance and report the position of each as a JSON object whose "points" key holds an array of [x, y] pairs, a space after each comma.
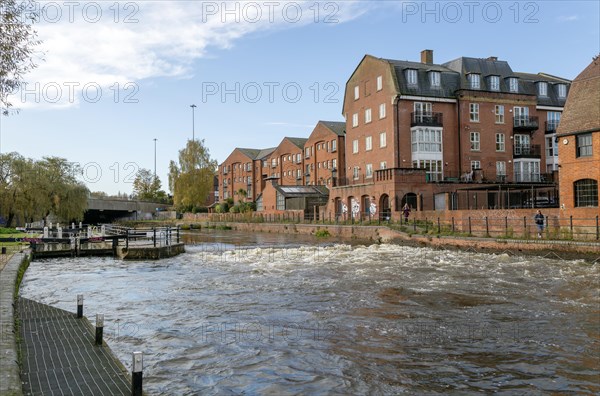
{"points": [[475, 165], [379, 83], [383, 165], [494, 83], [475, 141], [298, 174], [298, 158], [355, 172], [369, 171], [521, 116], [551, 147], [499, 110], [562, 90], [433, 168], [434, 78], [333, 145], [367, 116], [355, 120], [382, 139], [425, 140], [513, 84], [307, 152], [500, 142], [368, 143], [500, 168], [586, 192], [584, 145], [542, 89], [553, 118], [411, 77], [474, 112], [382, 111], [474, 81], [280, 201], [355, 146], [356, 93], [334, 163]]}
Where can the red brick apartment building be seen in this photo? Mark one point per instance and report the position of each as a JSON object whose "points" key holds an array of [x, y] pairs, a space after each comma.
{"points": [[243, 169], [579, 142], [314, 161], [425, 133]]}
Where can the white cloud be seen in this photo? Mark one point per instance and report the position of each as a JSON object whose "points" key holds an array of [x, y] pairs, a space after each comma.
{"points": [[568, 18], [164, 42]]}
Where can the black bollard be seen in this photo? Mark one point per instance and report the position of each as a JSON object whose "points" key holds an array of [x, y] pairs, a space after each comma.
{"points": [[80, 306], [99, 328], [136, 374]]}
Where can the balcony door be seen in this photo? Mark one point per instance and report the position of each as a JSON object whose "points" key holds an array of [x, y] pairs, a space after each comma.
{"points": [[522, 144], [423, 111]]}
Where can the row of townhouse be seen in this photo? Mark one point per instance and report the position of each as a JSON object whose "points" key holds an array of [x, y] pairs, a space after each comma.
{"points": [[312, 161], [469, 133]]}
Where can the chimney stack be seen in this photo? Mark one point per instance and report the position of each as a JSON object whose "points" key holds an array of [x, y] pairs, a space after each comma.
{"points": [[493, 58], [427, 57]]}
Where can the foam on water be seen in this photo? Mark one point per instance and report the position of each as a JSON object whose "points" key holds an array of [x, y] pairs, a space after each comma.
{"points": [[284, 318]]}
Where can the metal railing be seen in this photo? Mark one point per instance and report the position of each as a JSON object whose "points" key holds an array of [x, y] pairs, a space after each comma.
{"points": [[426, 119], [525, 122], [527, 150]]}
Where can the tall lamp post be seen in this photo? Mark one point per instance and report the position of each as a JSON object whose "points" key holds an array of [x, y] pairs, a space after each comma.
{"points": [[193, 106], [155, 139]]}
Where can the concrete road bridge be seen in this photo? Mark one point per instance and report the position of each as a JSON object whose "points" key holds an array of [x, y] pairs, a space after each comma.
{"points": [[107, 210]]}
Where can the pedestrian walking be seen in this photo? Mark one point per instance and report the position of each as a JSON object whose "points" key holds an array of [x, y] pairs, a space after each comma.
{"points": [[406, 212], [539, 222]]}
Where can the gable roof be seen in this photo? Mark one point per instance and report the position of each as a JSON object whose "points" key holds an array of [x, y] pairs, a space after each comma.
{"points": [[339, 128], [582, 110], [298, 142]]}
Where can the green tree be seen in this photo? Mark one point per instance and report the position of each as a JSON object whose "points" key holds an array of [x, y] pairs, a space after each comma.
{"points": [[191, 178], [146, 187], [17, 43], [31, 190]]}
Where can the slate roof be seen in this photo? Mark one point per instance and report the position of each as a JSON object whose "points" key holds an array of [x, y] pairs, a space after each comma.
{"points": [[264, 153], [248, 152], [299, 142], [454, 77], [339, 128], [582, 110], [449, 79]]}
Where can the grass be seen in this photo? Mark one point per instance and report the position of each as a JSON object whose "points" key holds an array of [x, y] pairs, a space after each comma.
{"points": [[322, 234]]}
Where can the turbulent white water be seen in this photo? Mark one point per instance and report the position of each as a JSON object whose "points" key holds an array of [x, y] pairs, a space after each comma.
{"points": [[267, 315]]}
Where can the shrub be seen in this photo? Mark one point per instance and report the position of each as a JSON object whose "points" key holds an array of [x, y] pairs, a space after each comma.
{"points": [[322, 233]]}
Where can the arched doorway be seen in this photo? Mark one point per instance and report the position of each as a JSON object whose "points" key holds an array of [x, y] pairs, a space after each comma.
{"points": [[385, 211], [410, 199]]}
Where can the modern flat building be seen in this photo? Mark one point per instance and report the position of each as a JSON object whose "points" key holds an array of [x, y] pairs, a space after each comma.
{"points": [[579, 145]]}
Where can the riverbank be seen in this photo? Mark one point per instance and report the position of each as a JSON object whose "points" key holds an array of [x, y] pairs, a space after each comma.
{"points": [[589, 251]]}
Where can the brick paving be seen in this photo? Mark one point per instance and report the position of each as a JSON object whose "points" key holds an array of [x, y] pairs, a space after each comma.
{"points": [[59, 356]]}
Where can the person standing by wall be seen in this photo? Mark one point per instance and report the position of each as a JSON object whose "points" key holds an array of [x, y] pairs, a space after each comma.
{"points": [[539, 222], [406, 212]]}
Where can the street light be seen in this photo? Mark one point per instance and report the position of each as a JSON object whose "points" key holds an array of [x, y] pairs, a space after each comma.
{"points": [[155, 139], [193, 106]]}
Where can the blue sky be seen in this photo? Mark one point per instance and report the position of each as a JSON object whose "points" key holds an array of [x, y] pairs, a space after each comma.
{"points": [[143, 63]]}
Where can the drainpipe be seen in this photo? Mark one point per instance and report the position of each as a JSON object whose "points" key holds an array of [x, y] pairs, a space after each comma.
{"points": [[397, 132], [459, 133]]}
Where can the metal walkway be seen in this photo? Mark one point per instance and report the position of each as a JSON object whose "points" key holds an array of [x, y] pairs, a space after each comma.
{"points": [[59, 356]]}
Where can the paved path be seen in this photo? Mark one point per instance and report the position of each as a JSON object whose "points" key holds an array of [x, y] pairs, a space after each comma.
{"points": [[59, 356]]}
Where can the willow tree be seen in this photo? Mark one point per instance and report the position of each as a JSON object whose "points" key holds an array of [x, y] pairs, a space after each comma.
{"points": [[31, 190], [17, 42], [191, 178]]}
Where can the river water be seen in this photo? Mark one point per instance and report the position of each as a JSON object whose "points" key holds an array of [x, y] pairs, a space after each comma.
{"points": [[285, 314]]}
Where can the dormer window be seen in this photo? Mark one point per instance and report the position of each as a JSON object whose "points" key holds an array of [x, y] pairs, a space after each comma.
{"points": [[494, 83], [411, 77], [474, 81], [562, 90], [542, 88], [434, 78], [513, 84]]}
